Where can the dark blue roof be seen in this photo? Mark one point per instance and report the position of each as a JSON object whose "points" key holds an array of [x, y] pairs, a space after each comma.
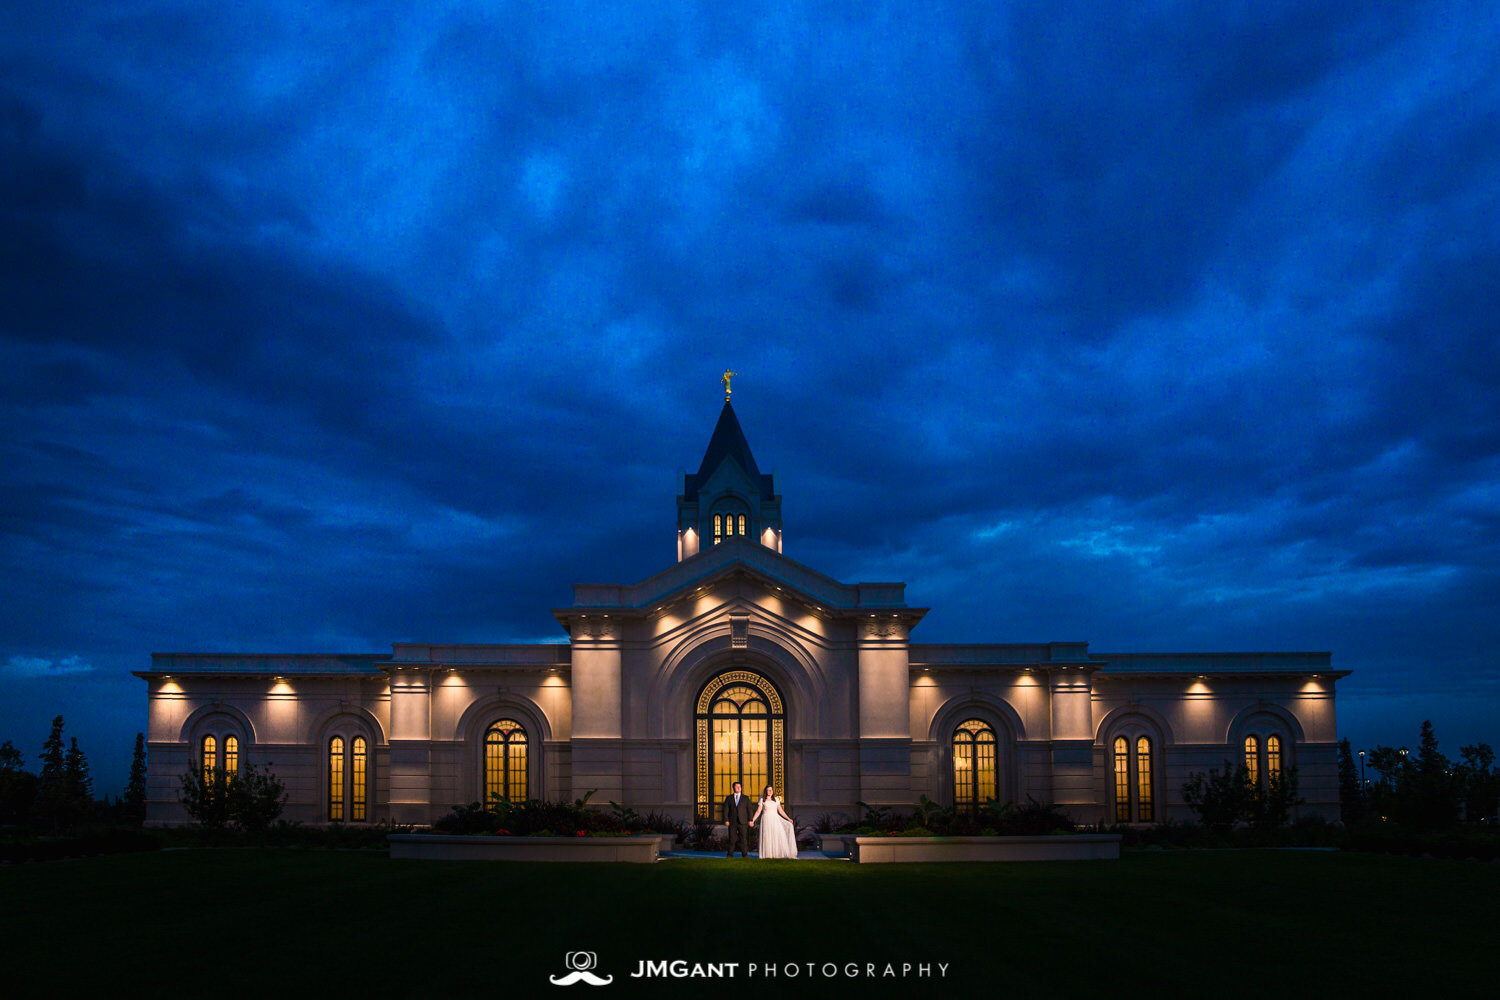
{"points": [[728, 441]]}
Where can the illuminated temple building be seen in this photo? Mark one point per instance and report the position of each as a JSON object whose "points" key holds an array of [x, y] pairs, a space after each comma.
{"points": [[737, 662]]}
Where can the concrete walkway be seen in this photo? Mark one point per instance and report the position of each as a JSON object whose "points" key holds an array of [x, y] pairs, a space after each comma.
{"points": [[754, 856]]}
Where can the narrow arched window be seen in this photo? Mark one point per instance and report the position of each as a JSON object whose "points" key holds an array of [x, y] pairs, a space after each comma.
{"points": [[1252, 759], [742, 524], [336, 779], [505, 762], [210, 755], [974, 772], [231, 754], [358, 771], [718, 528], [1273, 757], [1144, 792], [1122, 780]]}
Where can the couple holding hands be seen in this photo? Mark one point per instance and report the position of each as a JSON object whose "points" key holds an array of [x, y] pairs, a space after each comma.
{"points": [[778, 836]]}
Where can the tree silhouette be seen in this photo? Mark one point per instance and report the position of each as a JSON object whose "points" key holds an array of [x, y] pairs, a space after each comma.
{"points": [[135, 788]]}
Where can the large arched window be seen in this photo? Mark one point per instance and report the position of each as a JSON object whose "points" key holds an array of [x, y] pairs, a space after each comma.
{"points": [[348, 773], [1264, 762], [336, 782], [1134, 779], [974, 765], [505, 762], [358, 771], [741, 736]]}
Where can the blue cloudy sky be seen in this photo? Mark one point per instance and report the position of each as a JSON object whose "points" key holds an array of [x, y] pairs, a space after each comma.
{"points": [[1160, 326]]}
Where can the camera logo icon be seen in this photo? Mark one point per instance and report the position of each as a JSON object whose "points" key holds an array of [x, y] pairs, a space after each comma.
{"points": [[580, 965]]}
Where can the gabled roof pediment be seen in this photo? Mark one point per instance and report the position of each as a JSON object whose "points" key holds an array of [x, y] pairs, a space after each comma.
{"points": [[739, 556]]}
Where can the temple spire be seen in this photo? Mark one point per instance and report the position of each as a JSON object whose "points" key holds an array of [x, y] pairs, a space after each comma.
{"points": [[728, 497]]}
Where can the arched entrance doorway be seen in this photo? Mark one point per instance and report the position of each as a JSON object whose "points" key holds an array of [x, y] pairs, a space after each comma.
{"points": [[740, 735]]}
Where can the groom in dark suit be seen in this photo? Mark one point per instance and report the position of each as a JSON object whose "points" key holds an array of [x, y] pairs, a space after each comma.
{"points": [[737, 816]]}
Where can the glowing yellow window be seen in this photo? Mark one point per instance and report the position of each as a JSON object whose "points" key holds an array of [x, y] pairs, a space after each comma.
{"points": [[336, 779], [358, 771], [1252, 759], [1122, 780], [1145, 798], [505, 762], [974, 772]]}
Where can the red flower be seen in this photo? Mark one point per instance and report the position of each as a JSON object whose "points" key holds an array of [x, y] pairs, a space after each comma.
{"points": [[580, 833], [502, 832]]}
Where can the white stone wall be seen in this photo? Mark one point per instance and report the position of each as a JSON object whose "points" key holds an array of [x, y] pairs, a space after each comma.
{"points": [[615, 712]]}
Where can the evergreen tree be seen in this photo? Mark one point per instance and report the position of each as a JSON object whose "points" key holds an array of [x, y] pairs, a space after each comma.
{"points": [[1351, 800], [1480, 782], [53, 755], [135, 788], [17, 786], [76, 774], [1437, 791], [50, 806]]}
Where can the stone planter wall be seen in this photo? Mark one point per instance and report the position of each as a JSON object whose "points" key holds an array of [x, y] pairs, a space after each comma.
{"points": [[1082, 847], [444, 847]]}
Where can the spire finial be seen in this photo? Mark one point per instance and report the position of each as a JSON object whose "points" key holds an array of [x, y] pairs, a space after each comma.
{"points": [[727, 376]]}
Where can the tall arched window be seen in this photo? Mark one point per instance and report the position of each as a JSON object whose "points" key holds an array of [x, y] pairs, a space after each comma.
{"points": [[1273, 757], [1264, 759], [741, 735], [210, 754], [505, 762], [1122, 780], [742, 525], [1134, 779], [231, 754], [1145, 794], [718, 528], [336, 779], [974, 771], [358, 770]]}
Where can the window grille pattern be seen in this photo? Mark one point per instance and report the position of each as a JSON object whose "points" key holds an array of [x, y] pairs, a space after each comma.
{"points": [[740, 736], [974, 770]]}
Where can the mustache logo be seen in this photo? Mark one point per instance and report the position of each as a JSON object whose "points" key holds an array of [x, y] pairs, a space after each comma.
{"points": [[580, 963]]}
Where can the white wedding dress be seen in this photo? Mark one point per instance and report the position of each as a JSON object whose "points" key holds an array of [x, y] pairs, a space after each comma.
{"points": [[778, 838]]}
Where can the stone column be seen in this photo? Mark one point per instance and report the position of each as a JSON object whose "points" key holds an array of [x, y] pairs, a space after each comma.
{"points": [[597, 758], [411, 746], [884, 710]]}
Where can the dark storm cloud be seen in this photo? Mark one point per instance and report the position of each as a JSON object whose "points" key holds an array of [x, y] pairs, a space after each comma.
{"points": [[330, 326]]}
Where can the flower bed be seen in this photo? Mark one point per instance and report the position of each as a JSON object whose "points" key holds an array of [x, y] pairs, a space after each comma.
{"points": [[641, 849], [898, 849]]}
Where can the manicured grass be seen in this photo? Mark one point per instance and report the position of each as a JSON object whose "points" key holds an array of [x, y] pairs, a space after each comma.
{"points": [[1194, 923]]}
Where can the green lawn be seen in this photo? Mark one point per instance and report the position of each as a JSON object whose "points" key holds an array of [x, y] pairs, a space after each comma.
{"points": [[1195, 923]]}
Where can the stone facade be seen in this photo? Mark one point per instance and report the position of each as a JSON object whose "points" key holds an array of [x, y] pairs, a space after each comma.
{"points": [[855, 711]]}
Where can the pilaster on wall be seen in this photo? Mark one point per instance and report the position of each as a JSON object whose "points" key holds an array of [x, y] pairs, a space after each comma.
{"points": [[596, 678], [1072, 738], [411, 747], [884, 710], [598, 761]]}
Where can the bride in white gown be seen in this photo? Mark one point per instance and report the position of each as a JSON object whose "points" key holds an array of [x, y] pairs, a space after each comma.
{"points": [[778, 836]]}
